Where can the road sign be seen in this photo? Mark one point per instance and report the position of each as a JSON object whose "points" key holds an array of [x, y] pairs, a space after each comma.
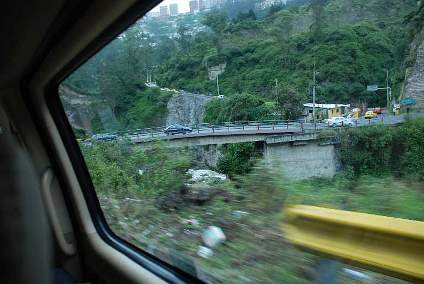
{"points": [[408, 101], [372, 88]]}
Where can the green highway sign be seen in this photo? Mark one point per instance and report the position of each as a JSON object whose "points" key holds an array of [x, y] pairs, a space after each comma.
{"points": [[408, 101]]}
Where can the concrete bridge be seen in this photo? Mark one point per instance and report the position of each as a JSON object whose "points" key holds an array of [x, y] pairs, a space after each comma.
{"points": [[239, 132], [297, 154], [217, 138], [223, 134], [295, 148]]}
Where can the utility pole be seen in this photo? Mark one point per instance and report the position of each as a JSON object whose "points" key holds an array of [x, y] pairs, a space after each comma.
{"points": [[277, 99], [374, 88], [387, 90], [217, 83], [313, 94]]}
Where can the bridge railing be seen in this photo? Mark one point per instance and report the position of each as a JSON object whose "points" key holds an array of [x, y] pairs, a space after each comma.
{"points": [[144, 133], [246, 125], [204, 128]]}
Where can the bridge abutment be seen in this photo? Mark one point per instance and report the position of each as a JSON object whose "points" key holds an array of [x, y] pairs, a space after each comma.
{"points": [[302, 157]]}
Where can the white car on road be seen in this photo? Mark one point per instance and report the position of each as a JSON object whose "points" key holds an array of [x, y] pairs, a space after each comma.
{"points": [[340, 121]]}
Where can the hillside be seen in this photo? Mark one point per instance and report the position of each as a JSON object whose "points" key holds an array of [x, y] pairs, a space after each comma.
{"points": [[258, 55], [414, 83], [351, 42]]}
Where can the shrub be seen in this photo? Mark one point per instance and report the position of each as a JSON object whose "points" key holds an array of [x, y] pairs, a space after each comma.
{"points": [[367, 149], [237, 159]]}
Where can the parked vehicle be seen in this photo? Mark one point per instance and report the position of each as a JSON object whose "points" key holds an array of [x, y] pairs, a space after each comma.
{"points": [[177, 129], [355, 113], [378, 110], [370, 114], [340, 121]]}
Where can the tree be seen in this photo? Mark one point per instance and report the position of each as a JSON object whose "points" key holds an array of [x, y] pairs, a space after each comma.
{"points": [[237, 159], [289, 103], [239, 107], [274, 9], [249, 16], [317, 7], [122, 73], [216, 20], [184, 39]]}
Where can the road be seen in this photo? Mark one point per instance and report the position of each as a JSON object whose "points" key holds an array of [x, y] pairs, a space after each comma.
{"points": [[246, 128]]}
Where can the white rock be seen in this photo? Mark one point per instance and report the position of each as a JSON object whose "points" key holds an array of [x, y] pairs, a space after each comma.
{"points": [[204, 252], [238, 214], [213, 236], [204, 175]]}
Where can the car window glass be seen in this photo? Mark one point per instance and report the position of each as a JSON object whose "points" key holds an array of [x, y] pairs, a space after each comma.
{"points": [[204, 121]]}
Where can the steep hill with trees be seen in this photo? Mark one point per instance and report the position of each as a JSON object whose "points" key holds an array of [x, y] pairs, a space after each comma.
{"points": [[268, 56], [350, 42]]}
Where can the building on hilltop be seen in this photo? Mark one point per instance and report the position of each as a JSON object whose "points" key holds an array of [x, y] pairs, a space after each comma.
{"points": [[268, 3], [194, 6], [211, 4], [173, 9], [163, 11], [202, 5]]}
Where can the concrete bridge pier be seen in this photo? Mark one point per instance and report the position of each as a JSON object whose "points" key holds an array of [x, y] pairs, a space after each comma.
{"points": [[303, 157]]}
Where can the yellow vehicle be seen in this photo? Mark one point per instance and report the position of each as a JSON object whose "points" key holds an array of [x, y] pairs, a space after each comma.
{"points": [[370, 114]]}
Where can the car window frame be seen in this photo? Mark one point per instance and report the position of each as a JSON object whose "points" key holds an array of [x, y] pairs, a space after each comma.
{"points": [[160, 268]]}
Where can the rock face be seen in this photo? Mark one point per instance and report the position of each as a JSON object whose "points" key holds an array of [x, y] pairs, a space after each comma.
{"points": [[81, 109], [414, 85], [187, 109], [207, 156]]}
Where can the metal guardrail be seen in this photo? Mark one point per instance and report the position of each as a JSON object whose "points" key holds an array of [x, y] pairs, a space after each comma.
{"points": [[212, 128], [261, 125], [391, 245]]}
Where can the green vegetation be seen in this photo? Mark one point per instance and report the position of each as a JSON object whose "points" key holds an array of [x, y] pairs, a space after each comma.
{"points": [[257, 51], [238, 159], [241, 107], [148, 196], [119, 169], [248, 209], [149, 110], [383, 149], [351, 43], [116, 75], [416, 19]]}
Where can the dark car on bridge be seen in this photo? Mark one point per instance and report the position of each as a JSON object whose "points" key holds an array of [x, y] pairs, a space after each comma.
{"points": [[177, 129]]}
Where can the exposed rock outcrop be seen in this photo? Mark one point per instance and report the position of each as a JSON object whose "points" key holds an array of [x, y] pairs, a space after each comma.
{"points": [[82, 109], [187, 109], [414, 85], [207, 156]]}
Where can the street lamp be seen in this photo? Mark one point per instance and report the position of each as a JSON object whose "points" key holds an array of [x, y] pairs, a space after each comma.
{"points": [[374, 88], [314, 93], [217, 83]]}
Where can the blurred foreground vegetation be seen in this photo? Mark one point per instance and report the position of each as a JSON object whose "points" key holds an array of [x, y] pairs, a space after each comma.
{"points": [[147, 197]]}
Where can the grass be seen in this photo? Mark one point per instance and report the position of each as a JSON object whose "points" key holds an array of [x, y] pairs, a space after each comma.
{"points": [[255, 250]]}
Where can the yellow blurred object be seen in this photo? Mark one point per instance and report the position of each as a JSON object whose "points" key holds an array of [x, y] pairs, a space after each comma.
{"points": [[355, 113], [392, 245], [370, 114]]}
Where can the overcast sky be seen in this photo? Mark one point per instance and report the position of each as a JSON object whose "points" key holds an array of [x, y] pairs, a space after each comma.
{"points": [[182, 5]]}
